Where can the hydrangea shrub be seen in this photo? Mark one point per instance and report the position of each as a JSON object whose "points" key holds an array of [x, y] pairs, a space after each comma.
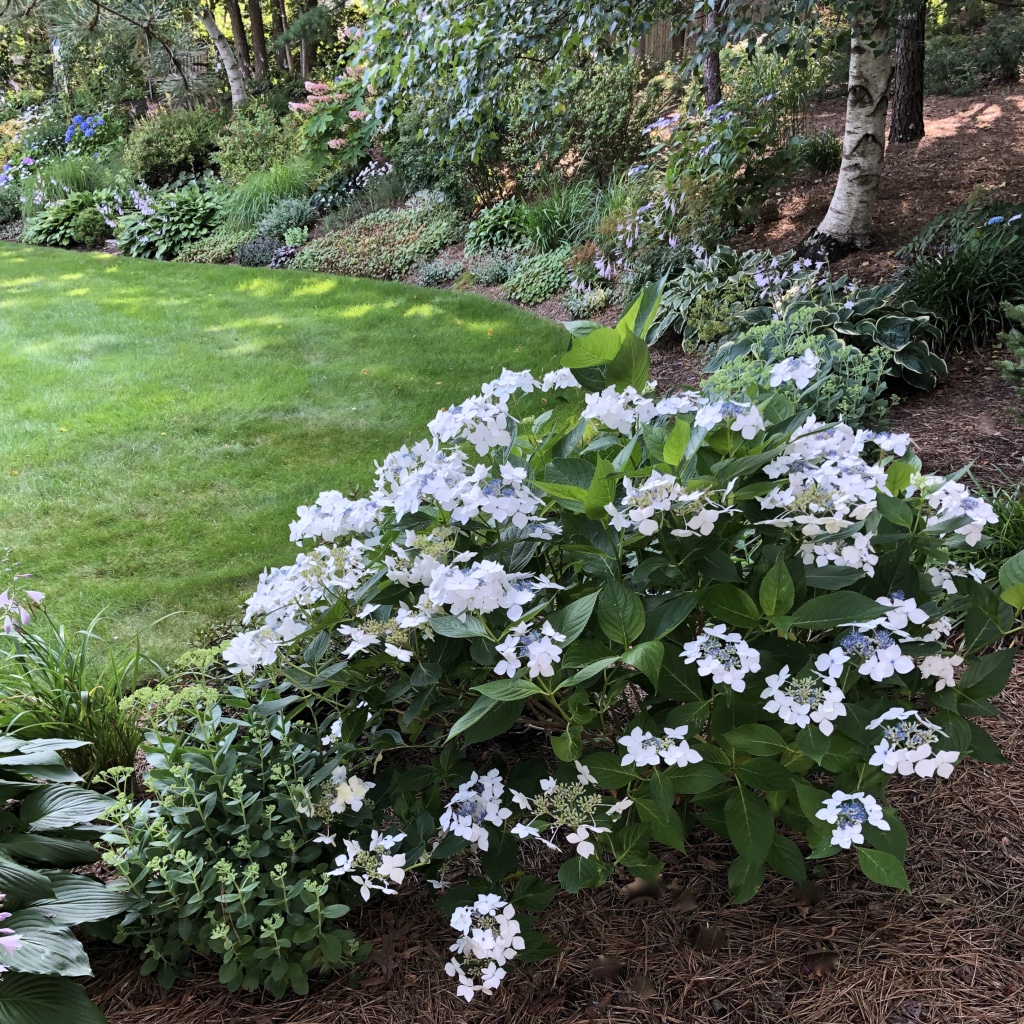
{"points": [[662, 613]]}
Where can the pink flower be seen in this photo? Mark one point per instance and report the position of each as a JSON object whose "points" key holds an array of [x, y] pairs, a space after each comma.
{"points": [[357, 115], [336, 143], [300, 108]]}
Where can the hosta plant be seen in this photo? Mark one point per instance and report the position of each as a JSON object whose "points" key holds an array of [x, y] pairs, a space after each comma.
{"points": [[167, 222], [585, 616]]}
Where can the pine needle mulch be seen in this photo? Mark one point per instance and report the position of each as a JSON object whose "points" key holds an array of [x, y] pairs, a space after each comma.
{"points": [[843, 951]]}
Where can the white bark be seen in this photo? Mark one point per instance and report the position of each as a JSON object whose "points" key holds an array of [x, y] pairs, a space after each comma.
{"points": [[849, 214], [236, 81]]}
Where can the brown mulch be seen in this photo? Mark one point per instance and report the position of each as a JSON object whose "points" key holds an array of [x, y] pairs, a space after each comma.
{"points": [[969, 142], [970, 419], [845, 952]]}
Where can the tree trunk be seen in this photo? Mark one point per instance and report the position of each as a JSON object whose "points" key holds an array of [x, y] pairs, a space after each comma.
{"points": [[847, 225], [278, 25], [712, 66], [260, 62], [239, 93], [307, 49], [241, 40], [907, 121]]}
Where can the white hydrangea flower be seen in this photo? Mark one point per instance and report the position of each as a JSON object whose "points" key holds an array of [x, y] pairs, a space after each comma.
{"points": [[880, 654], [489, 937], [902, 611], [644, 749], [374, 869], [941, 668], [849, 812], [805, 699], [724, 656], [475, 804], [349, 792], [537, 647], [800, 370], [952, 500], [248, 651], [745, 419], [909, 745], [857, 553]]}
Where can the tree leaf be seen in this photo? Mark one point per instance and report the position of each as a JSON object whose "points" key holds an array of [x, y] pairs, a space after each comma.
{"points": [[676, 442]]}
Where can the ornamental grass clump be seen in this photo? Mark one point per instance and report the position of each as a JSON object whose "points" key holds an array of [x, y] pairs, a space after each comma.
{"points": [[585, 616]]}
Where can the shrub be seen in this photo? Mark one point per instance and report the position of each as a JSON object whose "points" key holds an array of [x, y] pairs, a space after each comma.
{"points": [[960, 63], [258, 252], [10, 204], [285, 214], [56, 225], [338, 122], [53, 688], [963, 268], [1013, 339], [254, 198], [220, 246], [501, 226], [169, 221], [566, 216], [662, 589], [822, 150], [836, 380], [538, 277], [294, 237], [384, 245], [251, 141], [240, 875], [169, 143], [89, 228], [437, 272]]}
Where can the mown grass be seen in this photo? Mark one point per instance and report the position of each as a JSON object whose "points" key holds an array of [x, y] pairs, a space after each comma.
{"points": [[159, 423]]}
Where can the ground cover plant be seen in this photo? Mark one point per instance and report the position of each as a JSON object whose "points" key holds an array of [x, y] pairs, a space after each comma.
{"points": [[704, 612], [159, 420]]}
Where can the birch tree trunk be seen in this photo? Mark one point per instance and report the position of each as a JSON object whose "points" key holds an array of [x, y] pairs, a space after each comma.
{"points": [[260, 61], [847, 225], [236, 81], [907, 121]]}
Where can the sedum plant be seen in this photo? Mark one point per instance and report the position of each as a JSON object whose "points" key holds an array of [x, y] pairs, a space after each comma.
{"points": [[585, 616]]}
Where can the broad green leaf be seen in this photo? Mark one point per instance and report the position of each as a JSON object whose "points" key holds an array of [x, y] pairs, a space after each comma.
{"points": [[79, 900], [531, 895], [620, 613], [751, 824], [486, 719], [675, 444], [508, 689], [694, 779], [601, 491], [456, 628], [572, 619], [501, 858], [813, 742], [755, 738], [895, 510], [727, 603], [764, 774], [583, 873], [593, 349], [630, 845], [631, 365], [745, 878], [51, 808], [898, 476], [568, 746], [36, 999], [663, 618], [1011, 579], [883, 868], [785, 858], [776, 591], [838, 609], [647, 657], [608, 769], [46, 947]]}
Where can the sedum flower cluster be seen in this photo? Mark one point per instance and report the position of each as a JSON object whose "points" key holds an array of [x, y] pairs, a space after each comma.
{"points": [[587, 615]]}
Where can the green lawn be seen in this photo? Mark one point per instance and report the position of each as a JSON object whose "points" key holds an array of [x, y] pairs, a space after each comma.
{"points": [[160, 422]]}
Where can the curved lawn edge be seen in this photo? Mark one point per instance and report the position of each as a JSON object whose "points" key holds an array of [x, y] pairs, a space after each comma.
{"points": [[161, 421]]}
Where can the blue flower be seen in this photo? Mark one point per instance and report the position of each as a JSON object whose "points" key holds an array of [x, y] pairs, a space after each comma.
{"points": [[88, 132], [77, 119], [994, 220]]}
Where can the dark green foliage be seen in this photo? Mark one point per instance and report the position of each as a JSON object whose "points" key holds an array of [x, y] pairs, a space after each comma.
{"points": [[959, 63], [501, 226], [564, 217], [1004, 539], [252, 141], [821, 150], [539, 277], [90, 229], [178, 217], [963, 267], [237, 876], [170, 143], [10, 204], [56, 225], [285, 214], [440, 271], [219, 246], [1013, 339], [384, 245], [258, 252]]}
